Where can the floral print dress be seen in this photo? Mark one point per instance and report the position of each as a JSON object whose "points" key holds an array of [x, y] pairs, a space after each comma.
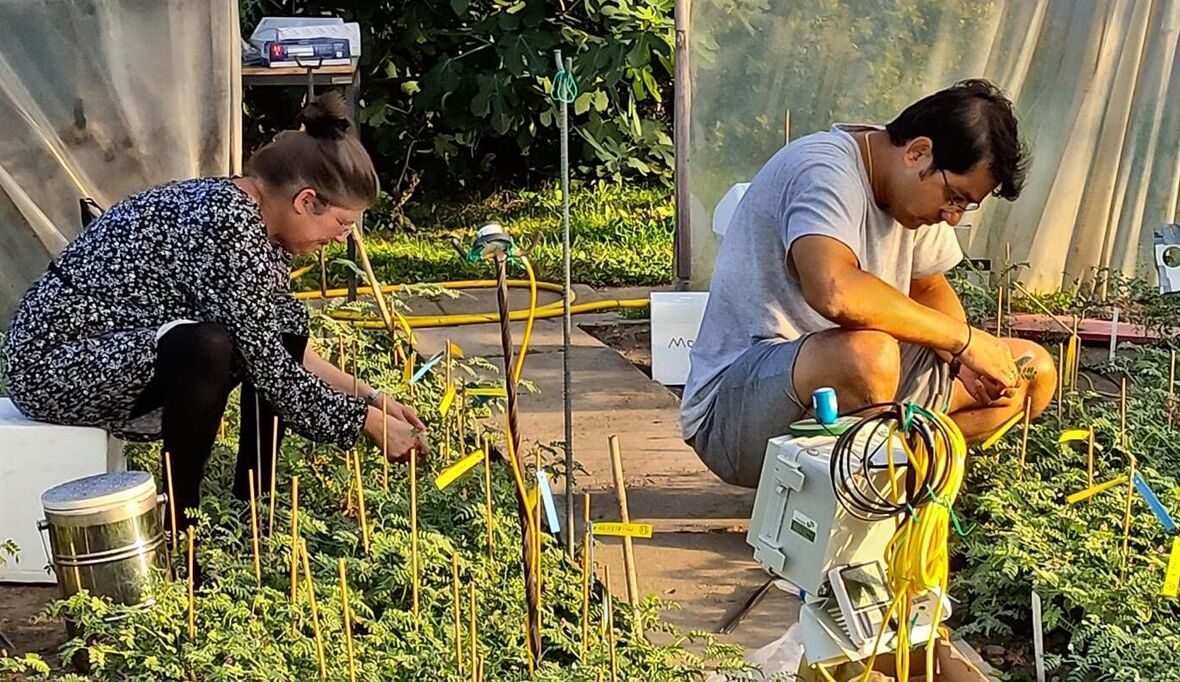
{"points": [[82, 344]]}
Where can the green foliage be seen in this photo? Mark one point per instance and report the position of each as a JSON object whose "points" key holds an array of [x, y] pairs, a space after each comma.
{"points": [[621, 235], [245, 632], [460, 89]]}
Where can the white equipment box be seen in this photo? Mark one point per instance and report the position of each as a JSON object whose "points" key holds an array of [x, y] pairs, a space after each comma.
{"points": [[33, 458]]}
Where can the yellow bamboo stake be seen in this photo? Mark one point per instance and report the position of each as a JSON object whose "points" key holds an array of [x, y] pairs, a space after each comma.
{"points": [[315, 611], [384, 445], [294, 543], [586, 541], [274, 468], [999, 311], [414, 577], [1060, 376], [340, 569], [616, 460], [1024, 436], [487, 492], [350, 491], [1090, 459], [192, 599], [610, 624], [1123, 415], [355, 368], [1171, 388], [360, 501], [254, 529], [171, 500], [1127, 519], [473, 634], [458, 617], [340, 347]]}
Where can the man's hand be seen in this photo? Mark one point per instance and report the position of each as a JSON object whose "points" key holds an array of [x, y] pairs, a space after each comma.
{"points": [[991, 361], [983, 390]]}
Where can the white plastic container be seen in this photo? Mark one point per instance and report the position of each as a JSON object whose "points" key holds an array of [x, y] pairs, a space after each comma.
{"points": [[33, 458]]}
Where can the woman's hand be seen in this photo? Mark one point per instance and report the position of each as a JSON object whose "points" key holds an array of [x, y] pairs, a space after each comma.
{"points": [[400, 436], [402, 412]]}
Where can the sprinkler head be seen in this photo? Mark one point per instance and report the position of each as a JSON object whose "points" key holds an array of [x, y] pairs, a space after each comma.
{"points": [[492, 239]]}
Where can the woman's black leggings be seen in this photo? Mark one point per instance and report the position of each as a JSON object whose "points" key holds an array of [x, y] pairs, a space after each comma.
{"points": [[196, 369]]}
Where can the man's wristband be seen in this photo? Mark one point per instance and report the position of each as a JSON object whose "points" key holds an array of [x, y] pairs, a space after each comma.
{"points": [[966, 345]]}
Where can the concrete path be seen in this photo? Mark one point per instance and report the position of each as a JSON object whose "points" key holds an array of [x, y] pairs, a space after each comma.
{"points": [[698, 556]]}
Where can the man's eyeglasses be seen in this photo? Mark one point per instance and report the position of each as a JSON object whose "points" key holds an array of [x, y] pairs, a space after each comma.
{"points": [[955, 199]]}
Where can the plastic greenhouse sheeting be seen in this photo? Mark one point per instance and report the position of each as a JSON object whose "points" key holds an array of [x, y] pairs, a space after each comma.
{"points": [[1096, 85], [102, 98]]}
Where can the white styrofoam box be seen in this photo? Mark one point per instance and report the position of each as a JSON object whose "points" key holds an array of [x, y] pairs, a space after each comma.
{"points": [[34, 457], [723, 212], [675, 320]]}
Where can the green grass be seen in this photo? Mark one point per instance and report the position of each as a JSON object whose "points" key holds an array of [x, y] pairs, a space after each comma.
{"points": [[621, 236]]}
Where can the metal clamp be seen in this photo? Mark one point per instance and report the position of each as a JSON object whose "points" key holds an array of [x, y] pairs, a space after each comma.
{"points": [[42, 526]]}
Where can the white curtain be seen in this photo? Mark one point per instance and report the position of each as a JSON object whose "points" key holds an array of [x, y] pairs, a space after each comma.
{"points": [[1096, 85], [102, 98]]}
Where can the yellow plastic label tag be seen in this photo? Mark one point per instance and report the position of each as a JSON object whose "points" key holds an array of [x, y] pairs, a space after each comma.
{"points": [[1172, 577], [445, 404], [995, 437], [1071, 354], [1073, 435], [488, 392], [1094, 490], [457, 469], [456, 351], [634, 530]]}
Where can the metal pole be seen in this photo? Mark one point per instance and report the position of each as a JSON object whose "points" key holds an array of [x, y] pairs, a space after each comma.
{"points": [[682, 104], [567, 322]]}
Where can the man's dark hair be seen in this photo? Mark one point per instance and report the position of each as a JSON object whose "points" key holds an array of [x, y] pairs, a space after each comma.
{"points": [[968, 122]]}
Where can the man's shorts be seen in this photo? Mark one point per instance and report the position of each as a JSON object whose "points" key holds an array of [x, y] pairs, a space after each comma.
{"points": [[756, 401]]}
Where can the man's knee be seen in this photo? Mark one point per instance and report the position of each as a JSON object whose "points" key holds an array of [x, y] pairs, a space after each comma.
{"points": [[873, 367]]}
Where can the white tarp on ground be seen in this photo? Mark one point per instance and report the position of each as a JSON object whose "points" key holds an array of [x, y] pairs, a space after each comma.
{"points": [[1092, 81], [102, 98]]}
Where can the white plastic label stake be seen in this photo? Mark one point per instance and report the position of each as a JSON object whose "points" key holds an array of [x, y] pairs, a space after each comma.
{"points": [[547, 499], [1114, 332], [1038, 636]]}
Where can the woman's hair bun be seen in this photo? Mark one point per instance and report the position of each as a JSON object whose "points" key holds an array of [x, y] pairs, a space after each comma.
{"points": [[325, 117]]}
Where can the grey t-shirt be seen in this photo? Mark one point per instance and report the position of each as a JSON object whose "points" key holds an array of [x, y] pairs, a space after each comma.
{"points": [[815, 185]]}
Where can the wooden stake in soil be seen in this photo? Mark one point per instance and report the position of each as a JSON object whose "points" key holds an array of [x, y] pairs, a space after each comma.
{"points": [[323, 275], [1171, 388], [360, 501], [347, 619], [489, 519], [384, 445], [192, 600], [1024, 436], [472, 634], [1060, 376], [610, 624], [616, 462], [294, 542], [221, 431], [587, 539], [350, 491], [1123, 414], [315, 611], [1127, 519], [274, 468], [458, 617], [254, 529], [1090, 459], [999, 311], [414, 575], [171, 500]]}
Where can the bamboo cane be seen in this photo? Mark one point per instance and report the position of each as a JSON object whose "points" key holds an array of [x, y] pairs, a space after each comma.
{"points": [[1123, 414], [384, 445], [192, 599], [473, 634], [254, 529], [489, 518], [458, 618], [587, 538], [274, 460], [616, 460], [360, 501], [315, 611], [1090, 459], [1060, 376], [1024, 436], [340, 569], [350, 491], [294, 542], [999, 312], [1127, 520], [414, 577], [1171, 388], [610, 624], [171, 500]]}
